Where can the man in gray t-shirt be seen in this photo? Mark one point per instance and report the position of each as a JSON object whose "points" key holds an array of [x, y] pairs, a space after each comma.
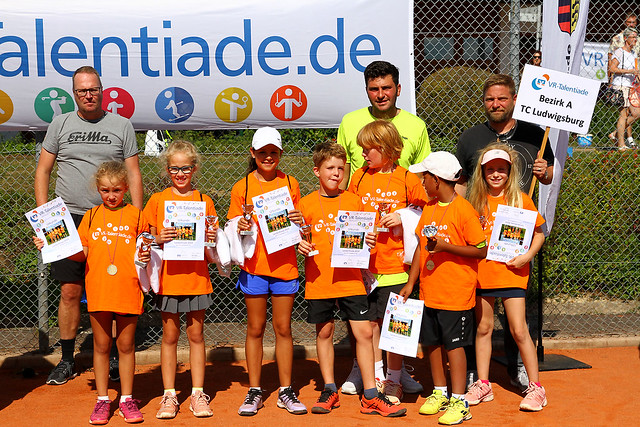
{"points": [[79, 142]]}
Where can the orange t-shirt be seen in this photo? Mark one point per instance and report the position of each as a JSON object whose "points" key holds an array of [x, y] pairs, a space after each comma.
{"points": [[448, 281], [112, 235], [180, 277], [322, 280], [282, 264], [396, 188], [496, 275]]}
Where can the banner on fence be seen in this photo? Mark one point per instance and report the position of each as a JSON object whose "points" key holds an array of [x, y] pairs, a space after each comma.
{"points": [[201, 64], [564, 23]]}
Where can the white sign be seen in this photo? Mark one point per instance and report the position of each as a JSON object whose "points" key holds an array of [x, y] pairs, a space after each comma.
{"points": [[595, 60], [400, 330], [349, 247], [555, 99], [272, 210], [53, 224], [201, 64], [512, 233], [188, 220]]}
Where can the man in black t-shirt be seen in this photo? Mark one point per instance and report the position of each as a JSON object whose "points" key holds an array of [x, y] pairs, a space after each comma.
{"points": [[499, 99]]}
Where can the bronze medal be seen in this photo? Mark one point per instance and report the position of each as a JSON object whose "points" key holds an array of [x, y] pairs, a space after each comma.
{"points": [[112, 270], [431, 265]]}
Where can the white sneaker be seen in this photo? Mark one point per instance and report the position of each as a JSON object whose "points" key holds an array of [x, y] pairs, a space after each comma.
{"points": [[521, 380], [472, 377], [353, 384], [409, 385]]}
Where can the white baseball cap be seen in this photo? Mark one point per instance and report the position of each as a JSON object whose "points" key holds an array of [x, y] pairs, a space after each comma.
{"points": [[266, 136], [495, 154], [440, 163]]}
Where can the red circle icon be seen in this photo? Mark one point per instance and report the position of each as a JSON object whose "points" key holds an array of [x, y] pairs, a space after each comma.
{"points": [[118, 101], [288, 103]]}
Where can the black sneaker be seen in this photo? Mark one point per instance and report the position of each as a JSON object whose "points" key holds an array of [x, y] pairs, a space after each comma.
{"points": [[114, 369], [62, 373]]}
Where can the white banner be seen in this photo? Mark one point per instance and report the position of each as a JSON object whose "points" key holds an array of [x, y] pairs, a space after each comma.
{"points": [[559, 100], [202, 64], [564, 23], [595, 61]]}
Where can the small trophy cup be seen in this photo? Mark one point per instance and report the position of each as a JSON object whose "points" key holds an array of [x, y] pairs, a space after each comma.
{"points": [[430, 231], [211, 222], [247, 213], [305, 232], [383, 209], [147, 240]]}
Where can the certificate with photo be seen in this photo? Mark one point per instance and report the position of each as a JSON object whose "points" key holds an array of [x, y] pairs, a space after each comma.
{"points": [[52, 223], [400, 331], [188, 218], [349, 247], [512, 233], [272, 210]]}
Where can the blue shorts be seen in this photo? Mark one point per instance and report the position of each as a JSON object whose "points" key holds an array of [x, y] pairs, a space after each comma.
{"points": [[263, 285]]}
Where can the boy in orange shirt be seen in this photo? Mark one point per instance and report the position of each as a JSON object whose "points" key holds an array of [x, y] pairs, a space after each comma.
{"points": [[446, 261], [327, 286]]}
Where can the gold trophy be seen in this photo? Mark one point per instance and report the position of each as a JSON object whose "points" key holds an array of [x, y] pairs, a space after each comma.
{"points": [[383, 209], [147, 240], [247, 213], [305, 232], [211, 222]]}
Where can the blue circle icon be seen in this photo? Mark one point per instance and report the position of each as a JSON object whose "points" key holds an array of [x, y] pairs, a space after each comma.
{"points": [[174, 105]]}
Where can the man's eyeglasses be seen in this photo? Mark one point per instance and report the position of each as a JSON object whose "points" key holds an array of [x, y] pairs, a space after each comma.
{"points": [[83, 92], [173, 170]]}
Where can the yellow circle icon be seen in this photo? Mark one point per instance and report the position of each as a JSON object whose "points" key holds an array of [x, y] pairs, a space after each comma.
{"points": [[6, 107], [233, 105]]}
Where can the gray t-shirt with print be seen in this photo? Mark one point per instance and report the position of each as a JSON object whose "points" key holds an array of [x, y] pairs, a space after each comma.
{"points": [[80, 146]]}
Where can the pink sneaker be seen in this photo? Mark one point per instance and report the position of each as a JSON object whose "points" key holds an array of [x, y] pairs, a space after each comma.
{"points": [[479, 392], [535, 399], [130, 412], [100, 414]]}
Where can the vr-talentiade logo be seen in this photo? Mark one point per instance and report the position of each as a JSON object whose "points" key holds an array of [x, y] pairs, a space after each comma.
{"points": [[88, 137]]}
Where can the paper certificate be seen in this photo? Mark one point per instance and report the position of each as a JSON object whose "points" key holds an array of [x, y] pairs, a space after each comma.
{"points": [[512, 233], [349, 247], [272, 210], [400, 329], [188, 220], [52, 223]]}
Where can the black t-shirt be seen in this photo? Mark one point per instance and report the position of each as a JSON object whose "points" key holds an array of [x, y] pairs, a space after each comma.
{"points": [[525, 138]]}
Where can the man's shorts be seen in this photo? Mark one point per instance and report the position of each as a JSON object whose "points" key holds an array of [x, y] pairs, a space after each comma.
{"points": [[66, 271], [378, 300], [355, 307], [453, 329], [252, 284]]}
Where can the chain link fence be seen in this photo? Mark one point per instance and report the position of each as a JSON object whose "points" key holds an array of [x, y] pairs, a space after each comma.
{"points": [[590, 265]]}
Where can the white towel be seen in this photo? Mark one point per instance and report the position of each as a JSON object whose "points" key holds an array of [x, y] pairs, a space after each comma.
{"points": [[410, 216], [220, 255], [149, 276], [240, 247]]}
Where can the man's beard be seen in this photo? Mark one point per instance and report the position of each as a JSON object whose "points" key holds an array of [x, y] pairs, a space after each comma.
{"points": [[499, 116]]}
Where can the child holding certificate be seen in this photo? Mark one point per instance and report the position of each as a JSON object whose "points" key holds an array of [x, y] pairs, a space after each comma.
{"points": [[451, 241], [108, 234], [265, 274], [495, 182], [327, 286], [386, 187], [185, 286]]}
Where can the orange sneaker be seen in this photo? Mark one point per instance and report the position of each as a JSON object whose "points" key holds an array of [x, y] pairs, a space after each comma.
{"points": [[380, 405], [327, 401]]}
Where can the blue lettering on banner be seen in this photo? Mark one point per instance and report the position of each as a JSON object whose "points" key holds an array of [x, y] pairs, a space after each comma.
{"points": [[274, 53]]}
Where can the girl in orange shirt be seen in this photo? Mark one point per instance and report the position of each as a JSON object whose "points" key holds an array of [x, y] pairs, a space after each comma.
{"points": [[495, 181], [264, 274], [108, 234], [185, 286]]}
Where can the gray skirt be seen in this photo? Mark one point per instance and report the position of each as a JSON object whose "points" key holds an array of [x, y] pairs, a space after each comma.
{"points": [[181, 303]]}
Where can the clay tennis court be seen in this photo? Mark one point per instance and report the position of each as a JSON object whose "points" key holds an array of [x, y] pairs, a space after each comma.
{"points": [[599, 396]]}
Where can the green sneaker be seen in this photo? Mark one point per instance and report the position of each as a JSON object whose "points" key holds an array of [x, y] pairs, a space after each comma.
{"points": [[457, 412], [434, 403]]}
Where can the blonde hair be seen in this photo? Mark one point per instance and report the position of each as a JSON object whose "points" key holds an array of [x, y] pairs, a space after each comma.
{"points": [[115, 171], [323, 151], [184, 147], [383, 136], [479, 190]]}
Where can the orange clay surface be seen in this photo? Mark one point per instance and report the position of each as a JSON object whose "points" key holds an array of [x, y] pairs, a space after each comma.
{"points": [[603, 395]]}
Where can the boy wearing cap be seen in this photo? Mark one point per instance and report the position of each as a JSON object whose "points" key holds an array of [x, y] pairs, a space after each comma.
{"points": [[451, 241]]}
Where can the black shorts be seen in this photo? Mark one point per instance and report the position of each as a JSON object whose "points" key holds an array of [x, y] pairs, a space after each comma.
{"points": [[502, 293], [351, 308], [453, 329], [378, 299], [66, 271]]}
